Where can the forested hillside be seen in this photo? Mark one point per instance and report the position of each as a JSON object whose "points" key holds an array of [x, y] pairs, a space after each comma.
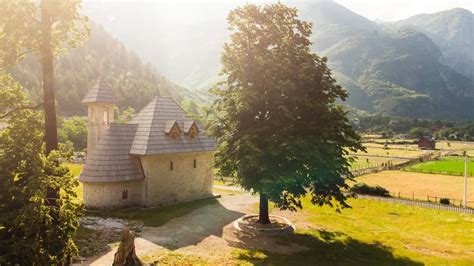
{"points": [[413, 68], [76, 72]]}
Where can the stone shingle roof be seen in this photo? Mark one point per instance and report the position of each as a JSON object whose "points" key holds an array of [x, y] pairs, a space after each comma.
{"points": [[151, 138], [111, 161], [115, 158], [101, 93]]}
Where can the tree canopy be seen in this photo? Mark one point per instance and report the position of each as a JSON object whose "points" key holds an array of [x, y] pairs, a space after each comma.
{"points": [[280, 129], [32, 232]]}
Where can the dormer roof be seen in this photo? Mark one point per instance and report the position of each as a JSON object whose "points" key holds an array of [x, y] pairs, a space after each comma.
{"points": [[101, 93], [188, 125], [170, 125]]}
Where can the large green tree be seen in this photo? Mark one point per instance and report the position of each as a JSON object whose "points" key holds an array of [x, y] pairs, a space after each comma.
{"points": [[280, 130], [32, 232], [46, 28]]}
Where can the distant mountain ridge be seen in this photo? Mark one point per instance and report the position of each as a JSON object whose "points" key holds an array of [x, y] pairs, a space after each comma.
{"points": [[418, 67], [452, 31]]}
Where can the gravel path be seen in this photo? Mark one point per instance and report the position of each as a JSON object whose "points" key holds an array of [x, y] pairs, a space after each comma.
{"points": [[206, 231]]}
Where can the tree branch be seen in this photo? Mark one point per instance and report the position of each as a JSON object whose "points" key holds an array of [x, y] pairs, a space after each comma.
{"points": [[21, 108]]}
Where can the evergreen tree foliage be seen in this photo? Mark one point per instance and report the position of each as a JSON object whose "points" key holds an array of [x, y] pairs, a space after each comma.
{"points": [[133, 81], [280, 130]]}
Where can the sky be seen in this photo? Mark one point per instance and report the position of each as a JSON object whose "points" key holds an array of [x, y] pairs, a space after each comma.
{"points": [[385, 10]]}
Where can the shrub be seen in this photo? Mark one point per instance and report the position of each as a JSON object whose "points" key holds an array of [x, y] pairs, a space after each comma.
{"points": [[444, 201], [364, 189]]}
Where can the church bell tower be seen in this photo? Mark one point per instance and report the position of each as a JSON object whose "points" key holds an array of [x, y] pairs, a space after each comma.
{"points": [[101, 103]]}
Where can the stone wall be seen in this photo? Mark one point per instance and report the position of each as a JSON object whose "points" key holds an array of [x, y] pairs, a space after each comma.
{"points": [[182, 183], [110, 195]]}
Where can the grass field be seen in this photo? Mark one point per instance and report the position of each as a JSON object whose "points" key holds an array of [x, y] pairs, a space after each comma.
{"points": [[363, 162], [421, 185], [452, 165], [457, 146], [371, 233], [76, 170], [398, 151]]}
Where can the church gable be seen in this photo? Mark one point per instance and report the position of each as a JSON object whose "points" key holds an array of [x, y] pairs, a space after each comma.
{"points": [[172, 129], [190, 129]]}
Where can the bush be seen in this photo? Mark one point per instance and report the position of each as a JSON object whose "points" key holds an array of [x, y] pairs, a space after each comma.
{"points": [[444, 201], [364, 189]]}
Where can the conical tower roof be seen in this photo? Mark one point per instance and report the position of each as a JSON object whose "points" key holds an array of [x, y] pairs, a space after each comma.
{"points": [[101, 93]]}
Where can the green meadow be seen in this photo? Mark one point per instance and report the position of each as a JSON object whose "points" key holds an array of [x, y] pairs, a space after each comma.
{"points": [[452, 165]]}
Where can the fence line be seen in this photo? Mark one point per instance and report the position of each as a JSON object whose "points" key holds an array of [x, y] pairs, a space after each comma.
{"points": [[429, 198], [410, 169], [422, 204], [382, 156], [425, 157]]}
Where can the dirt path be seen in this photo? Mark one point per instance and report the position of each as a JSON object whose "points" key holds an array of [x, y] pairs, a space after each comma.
{"points": [[207, 231]]}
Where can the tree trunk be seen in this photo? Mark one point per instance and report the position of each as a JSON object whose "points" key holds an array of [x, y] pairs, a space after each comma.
{"points": [[125, 255], [263, 215], [49, 103]]}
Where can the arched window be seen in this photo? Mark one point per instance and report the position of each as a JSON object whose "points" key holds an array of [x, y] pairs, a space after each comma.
{"points": [[171, 166], [195, 163], [125, 194], [106, 115]]}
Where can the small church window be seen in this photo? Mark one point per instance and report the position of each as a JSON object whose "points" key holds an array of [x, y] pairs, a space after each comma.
{"points": [[106, 116], [171, 166], [194, 163], [125, 194]]}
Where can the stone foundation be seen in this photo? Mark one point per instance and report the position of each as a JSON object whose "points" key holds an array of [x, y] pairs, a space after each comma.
{"points": [[113, 195]]}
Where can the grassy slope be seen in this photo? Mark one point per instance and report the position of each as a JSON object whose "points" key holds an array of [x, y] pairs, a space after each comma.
{"points": [[421, 184], [446, 164]]}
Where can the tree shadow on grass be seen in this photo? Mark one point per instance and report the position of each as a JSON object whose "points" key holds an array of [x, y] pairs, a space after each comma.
{"points": [[317, 247]]}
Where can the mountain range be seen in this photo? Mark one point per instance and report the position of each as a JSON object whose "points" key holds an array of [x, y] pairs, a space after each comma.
{"points": [[422, 66]]}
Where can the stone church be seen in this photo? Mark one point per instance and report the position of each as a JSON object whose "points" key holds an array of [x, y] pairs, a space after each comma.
{"points": [[159, 157]]}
